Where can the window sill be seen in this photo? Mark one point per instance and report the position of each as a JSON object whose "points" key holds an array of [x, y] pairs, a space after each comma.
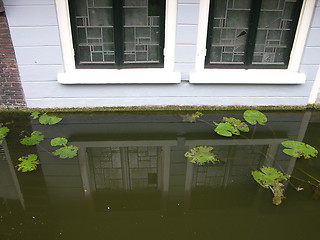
{"points": [[251, 76], [115, 76]]}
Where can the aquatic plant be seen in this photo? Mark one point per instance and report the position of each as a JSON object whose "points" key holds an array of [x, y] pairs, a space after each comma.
{"points": [[271, 178], [45, 119], [35, 138], [28, 163], [201, 155], [66, 151], [230, 126], [299, 149], [254, 116], [35, 115], [3, 132], [192, 117]]}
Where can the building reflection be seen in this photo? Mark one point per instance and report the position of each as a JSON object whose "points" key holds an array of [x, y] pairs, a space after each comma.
{"points": [[119, 163]]}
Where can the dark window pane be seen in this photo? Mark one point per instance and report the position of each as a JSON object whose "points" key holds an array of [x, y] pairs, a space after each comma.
{"points": [[229, 31], [273, 31], [141, 28], [94, 23]]}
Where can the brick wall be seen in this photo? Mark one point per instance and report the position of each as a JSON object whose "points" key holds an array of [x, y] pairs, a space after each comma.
{"points": [[11, 93]]}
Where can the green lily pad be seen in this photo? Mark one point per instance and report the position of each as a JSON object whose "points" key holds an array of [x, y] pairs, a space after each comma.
{"points": [[35, 115], [66, 152], [35, 138], [49, 120], [59, 142], [201, 155], [299, 149], [254, 116], [236, 123], [269, 177], [226, 129], [28, 164]]}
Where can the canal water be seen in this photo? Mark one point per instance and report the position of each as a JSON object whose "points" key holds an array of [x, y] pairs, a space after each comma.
{"points": [[131, 180]]}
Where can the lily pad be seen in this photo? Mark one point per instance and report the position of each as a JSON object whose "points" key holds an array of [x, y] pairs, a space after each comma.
{"points": [[59, 142], [226, 129], [201, 155], [35, 138], [35, 115], [66, 152], [28, 164], [237, 123], [271, 178], [299, 149], [49, 120], [254, 116], [268, 176]]}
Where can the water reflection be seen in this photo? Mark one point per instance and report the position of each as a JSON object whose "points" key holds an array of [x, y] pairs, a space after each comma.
{"points": [[131, 174]]}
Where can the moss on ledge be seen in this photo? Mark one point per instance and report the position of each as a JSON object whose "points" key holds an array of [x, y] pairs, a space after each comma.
{"points": [[170, 108]]}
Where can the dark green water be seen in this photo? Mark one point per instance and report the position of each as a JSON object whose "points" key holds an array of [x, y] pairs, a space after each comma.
{"points": [[131, 180]]}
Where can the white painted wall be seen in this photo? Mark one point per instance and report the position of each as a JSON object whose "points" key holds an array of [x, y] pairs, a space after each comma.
{"points": [[35, 34]]}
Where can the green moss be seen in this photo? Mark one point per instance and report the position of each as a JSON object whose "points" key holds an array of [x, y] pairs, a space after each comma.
{"points": [[168, 108]]}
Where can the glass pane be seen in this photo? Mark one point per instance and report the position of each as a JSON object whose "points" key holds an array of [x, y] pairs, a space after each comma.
{"points": [[229, 32], [94, 28], [141, 31], [125, 168], [275, 23]]}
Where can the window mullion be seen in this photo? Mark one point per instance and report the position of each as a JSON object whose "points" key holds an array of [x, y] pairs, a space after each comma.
{"points": [[252, 32], [118, 31]]}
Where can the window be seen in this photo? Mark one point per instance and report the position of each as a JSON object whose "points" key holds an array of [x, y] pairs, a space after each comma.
{"points": [[118, 33], [267, 57], [251, 33], [107, 56]]}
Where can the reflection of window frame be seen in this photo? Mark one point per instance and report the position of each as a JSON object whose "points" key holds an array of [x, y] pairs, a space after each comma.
{"points": [[118, 33], [72, 75], [290, 75], [164, 168], [13, 172], [250, 41]]}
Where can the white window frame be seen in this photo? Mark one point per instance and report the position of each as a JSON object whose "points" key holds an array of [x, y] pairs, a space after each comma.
{"points": [[290, 75], [116, 76]]}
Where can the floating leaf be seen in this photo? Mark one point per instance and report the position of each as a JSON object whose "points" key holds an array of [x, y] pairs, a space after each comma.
{"points": [[35, 138], [28, 163], [192, 117], [236, 123], [59, 142], [269, 177], [3, 132], [299, 149], [35, 115], [201, 155], [226, 129], [66, 152], [49, 120], [254, 116]]}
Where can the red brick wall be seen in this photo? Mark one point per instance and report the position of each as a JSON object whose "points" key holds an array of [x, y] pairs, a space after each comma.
{"points": [[11, 93]]}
